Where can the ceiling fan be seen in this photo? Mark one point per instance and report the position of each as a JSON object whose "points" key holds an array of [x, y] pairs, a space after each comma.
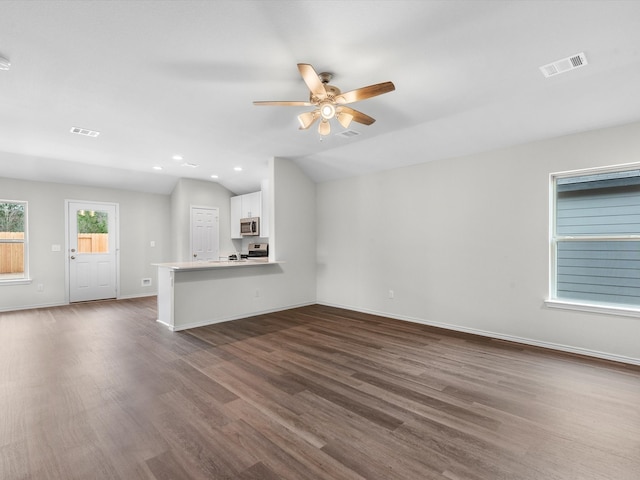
{"points": [[330, 102]]}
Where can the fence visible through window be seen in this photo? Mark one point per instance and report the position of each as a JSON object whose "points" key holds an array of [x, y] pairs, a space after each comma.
{"points": [[93, 231], [93, 242], [12, 254]]}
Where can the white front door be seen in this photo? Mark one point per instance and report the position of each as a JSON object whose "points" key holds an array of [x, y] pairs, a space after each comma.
{"points": [[92, 250], [205, 238]]}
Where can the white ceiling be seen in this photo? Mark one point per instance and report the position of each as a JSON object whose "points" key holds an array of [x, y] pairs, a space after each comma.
{"points": [[159, 78]]}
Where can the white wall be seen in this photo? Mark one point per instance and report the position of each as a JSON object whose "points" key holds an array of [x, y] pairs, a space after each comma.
{"points": [[143, 217], [186, 193], [293, 229], [464, 243]]}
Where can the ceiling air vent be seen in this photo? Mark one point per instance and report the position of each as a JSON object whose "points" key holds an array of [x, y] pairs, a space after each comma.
{"points": [[561, 66], [348, 134], [84, 131]]}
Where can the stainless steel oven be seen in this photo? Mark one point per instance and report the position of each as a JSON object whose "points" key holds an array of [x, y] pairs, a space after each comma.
{"points": [[258, 250]]}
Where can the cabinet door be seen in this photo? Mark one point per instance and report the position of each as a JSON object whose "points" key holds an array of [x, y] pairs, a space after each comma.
{"points": [[251, 204], [235, 214]]}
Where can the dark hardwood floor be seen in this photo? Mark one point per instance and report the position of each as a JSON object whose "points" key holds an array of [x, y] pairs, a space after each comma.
{"points": [[102, 391]]}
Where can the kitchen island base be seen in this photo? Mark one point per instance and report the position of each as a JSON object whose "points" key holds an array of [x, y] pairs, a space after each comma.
{"points": [[194, 294]]}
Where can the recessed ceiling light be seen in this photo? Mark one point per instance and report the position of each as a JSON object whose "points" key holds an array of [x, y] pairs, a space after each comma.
{"points": [[237, 169], [4, 64], [177, 158], [84, 131], [214, 176], [157, 167]]}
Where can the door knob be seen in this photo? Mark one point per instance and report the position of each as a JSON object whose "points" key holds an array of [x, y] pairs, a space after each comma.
{"points": [[73, 257], [195, 255]]}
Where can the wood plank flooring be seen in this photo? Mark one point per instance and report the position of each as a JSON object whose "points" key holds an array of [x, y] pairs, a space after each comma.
{"points": [[102, 391]]}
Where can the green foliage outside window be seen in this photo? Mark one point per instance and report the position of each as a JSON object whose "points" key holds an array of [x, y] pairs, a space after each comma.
{"points": [[11, 217], [92, 222]]}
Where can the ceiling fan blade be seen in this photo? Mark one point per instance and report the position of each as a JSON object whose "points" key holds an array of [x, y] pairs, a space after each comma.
{"points": [[357, 116], [285, 103], [365, 92], [306, 119], [312, 80], [324, 128]]}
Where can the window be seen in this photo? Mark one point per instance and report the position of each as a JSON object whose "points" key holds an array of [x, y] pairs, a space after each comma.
{"points": [[596, 239], [93, 231], [13, 241]]}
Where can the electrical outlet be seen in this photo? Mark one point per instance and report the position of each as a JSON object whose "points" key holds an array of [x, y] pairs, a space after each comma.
{"points": [[257, 293], [146, 282], [41, 287], [391, 294]]}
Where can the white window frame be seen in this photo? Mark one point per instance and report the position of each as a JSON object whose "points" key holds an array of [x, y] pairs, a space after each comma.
{"points": [[25, 279], [581, 305]]}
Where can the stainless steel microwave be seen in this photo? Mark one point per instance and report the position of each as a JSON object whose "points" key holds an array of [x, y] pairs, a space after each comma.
{"points": [[250, 226]]}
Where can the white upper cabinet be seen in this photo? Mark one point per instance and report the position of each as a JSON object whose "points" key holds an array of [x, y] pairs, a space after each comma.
{"points": [[252, 205]]}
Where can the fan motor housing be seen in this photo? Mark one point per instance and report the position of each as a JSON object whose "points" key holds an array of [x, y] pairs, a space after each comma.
{"points": [[325, 78], [332, 90]]}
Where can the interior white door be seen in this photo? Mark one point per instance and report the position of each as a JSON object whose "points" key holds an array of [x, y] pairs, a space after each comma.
{"points": [[205, 236], [92, 250]]}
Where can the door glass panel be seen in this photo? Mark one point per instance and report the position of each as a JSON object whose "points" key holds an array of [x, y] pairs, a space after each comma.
{"points": [[93, 231]]}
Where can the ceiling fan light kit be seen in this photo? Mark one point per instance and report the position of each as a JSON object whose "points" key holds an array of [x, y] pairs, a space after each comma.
{"points": [[327, 110], [306, 119], [324, 128], [4, 64], [344, 119], [329, 101]]}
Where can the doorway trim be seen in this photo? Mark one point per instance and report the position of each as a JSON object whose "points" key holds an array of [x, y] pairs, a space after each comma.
{"points": [[67, 247]]}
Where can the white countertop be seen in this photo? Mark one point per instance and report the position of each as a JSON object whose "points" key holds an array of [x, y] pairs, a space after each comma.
{"points": [[205, 265]]}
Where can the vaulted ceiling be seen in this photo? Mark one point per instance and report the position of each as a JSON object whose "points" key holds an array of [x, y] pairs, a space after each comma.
{"points": [[165, 78]]}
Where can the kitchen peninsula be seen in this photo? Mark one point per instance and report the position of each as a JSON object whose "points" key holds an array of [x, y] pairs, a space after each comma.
{"points": [[192, 294]]}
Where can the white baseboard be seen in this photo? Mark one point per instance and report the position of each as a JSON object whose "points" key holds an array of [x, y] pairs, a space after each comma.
{"points": [[170, 327], [139, 295], [498, 336], [61, 304], [32, 307], [204, 323]]}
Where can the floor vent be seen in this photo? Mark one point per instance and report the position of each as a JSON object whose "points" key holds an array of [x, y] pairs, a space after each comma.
{"points": [[84, 131], [561, 66]]}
